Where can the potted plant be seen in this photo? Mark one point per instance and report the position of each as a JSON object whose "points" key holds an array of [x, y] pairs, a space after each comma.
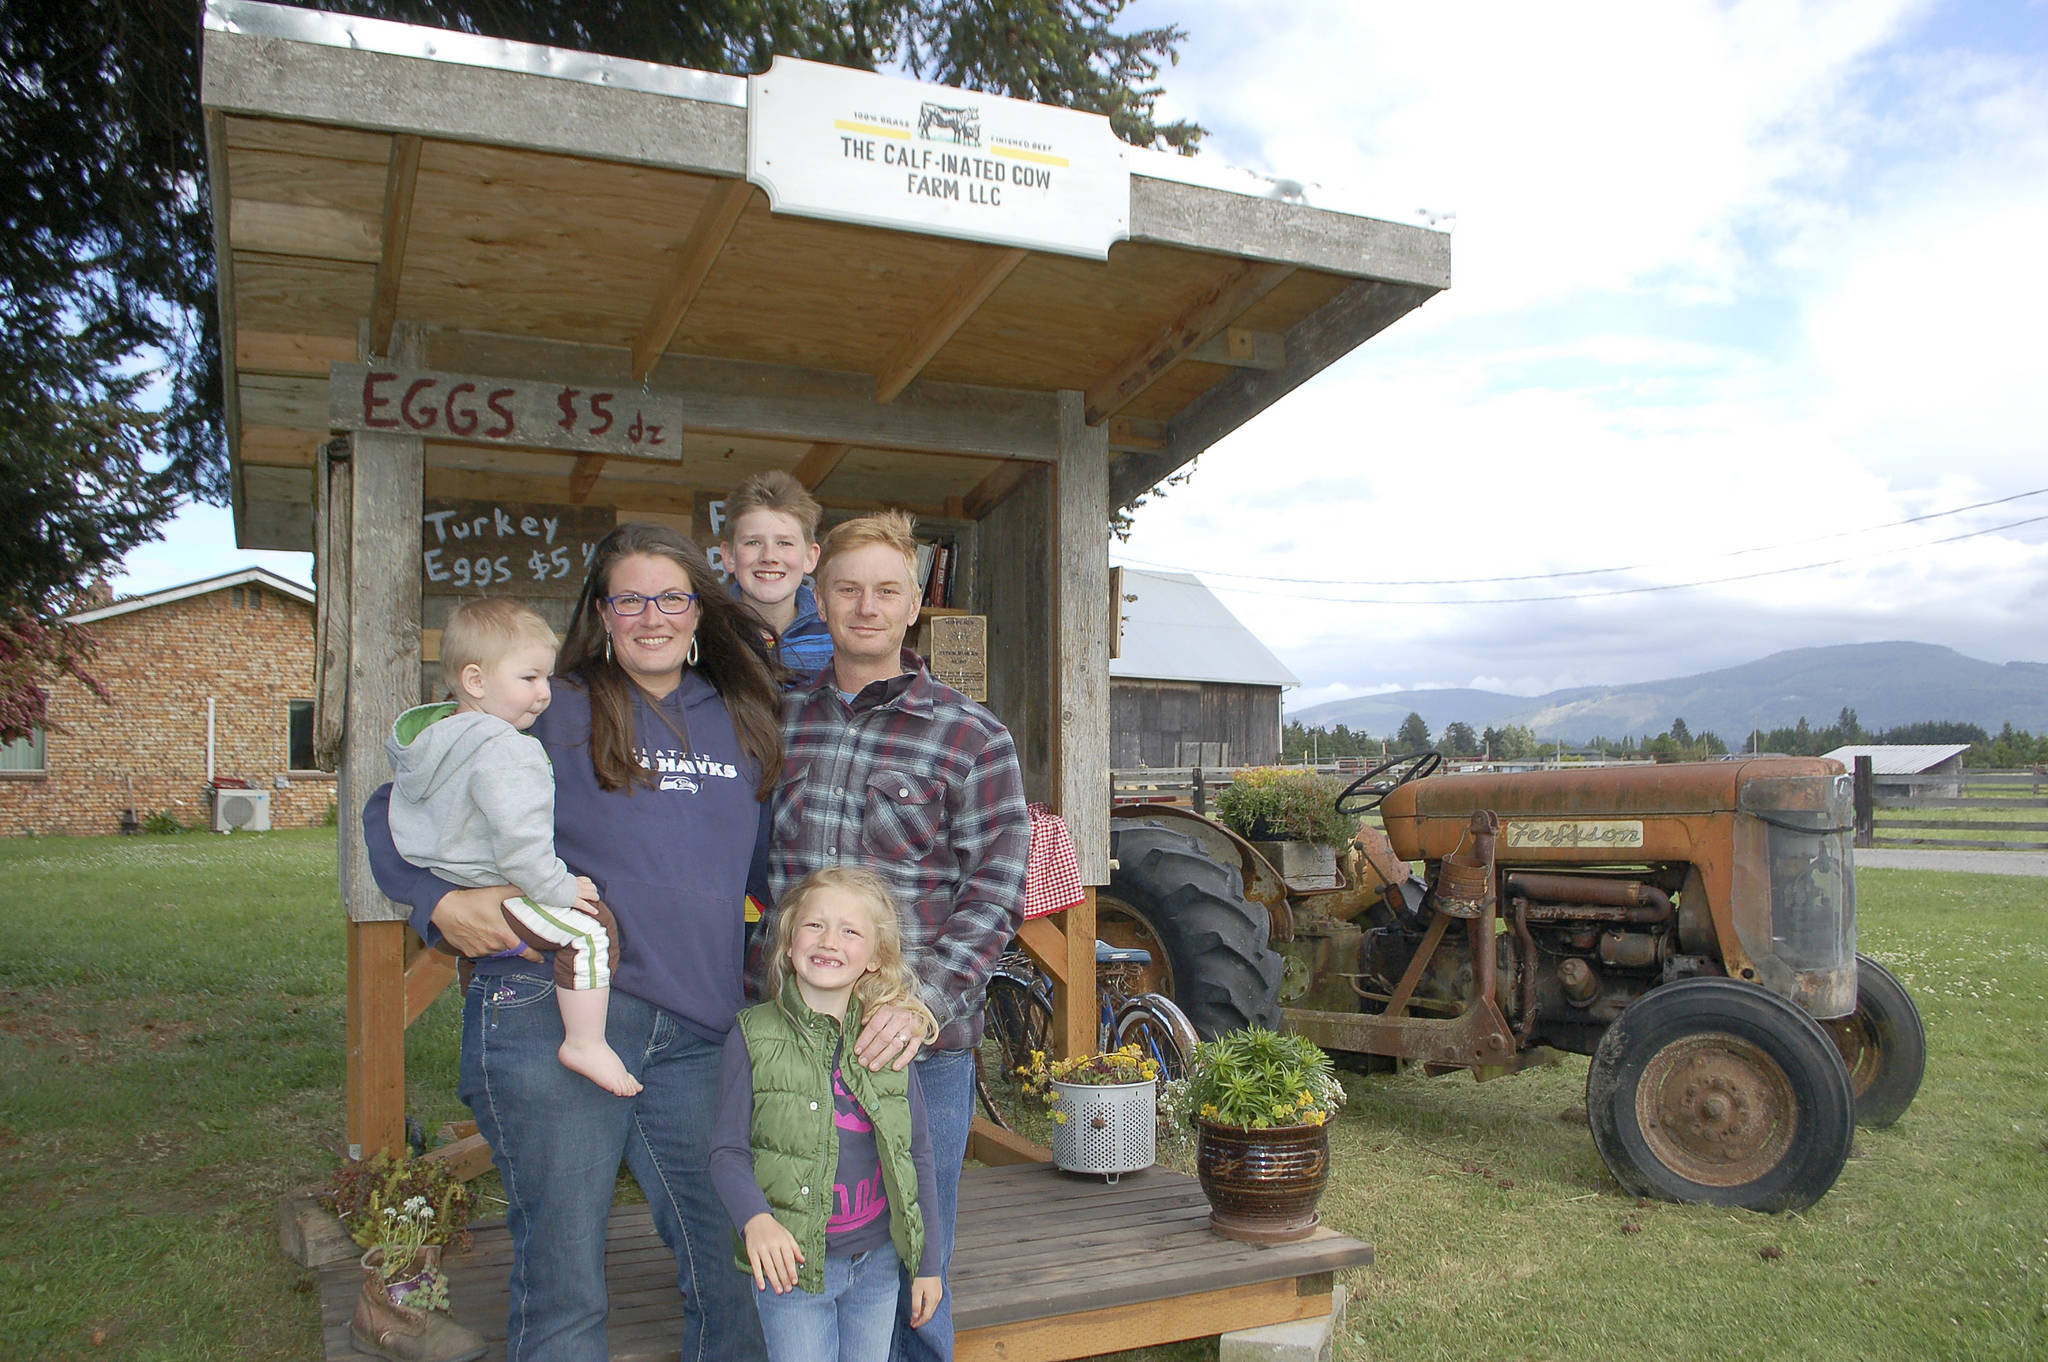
{"points": [[1259, 1101], [1293, 812], [405, 1213], [1104, 1108]]}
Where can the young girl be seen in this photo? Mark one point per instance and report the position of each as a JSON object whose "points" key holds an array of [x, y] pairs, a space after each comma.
{"points": [[832, 1216]]}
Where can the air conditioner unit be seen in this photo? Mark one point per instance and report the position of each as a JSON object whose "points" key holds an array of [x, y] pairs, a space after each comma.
{"points": [[243, 810]]}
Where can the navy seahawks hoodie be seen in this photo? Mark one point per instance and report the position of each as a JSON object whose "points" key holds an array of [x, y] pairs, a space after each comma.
{"points": [[673, 862]]}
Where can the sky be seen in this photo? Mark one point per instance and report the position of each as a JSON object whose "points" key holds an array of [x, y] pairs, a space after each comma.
{"points": [[1746, 311]]}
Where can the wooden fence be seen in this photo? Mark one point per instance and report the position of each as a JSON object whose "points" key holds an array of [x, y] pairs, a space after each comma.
{"points": [[1990, 791], [1190, 785]]}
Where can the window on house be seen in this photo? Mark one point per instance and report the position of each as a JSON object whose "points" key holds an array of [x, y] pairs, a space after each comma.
{"points": [[302, 736], [23, 754]]}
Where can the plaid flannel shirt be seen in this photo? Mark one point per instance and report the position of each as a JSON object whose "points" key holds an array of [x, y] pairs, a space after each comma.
{"points": [[919, 784]]}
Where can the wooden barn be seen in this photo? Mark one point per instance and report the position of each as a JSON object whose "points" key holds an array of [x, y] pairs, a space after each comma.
{"points": [[1190, 684]]}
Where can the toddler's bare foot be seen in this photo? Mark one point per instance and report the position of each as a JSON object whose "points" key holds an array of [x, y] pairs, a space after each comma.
{"points": [[601, 1065]]}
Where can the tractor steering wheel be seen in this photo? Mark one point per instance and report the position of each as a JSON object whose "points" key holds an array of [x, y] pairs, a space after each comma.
{"points": [[1370, 791]]}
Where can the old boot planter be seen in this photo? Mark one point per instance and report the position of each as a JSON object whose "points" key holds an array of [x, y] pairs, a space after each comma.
{"points": [[393, 1319]]}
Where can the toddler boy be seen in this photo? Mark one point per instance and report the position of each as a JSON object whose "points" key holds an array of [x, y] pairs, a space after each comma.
{"points": [[770, 547], [474, 801]]}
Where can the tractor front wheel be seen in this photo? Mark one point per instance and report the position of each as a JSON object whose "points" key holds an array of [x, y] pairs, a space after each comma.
{"points": [[1883, 1044], [1208, 943], [1716, 1091]]}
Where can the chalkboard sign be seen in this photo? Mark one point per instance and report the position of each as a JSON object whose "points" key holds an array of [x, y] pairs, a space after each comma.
{"points": [[508, 548]]}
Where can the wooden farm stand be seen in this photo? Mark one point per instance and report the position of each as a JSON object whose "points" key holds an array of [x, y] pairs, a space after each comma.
{"points": [[423, 235]]}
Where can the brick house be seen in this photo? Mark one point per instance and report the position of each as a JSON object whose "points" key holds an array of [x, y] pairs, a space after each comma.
{"points": [[215, 675]]}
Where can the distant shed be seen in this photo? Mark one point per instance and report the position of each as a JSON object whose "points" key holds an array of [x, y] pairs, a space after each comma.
{"points": [[1190, 685], [1930, 770]]}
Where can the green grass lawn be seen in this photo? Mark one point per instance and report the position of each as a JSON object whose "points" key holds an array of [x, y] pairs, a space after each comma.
{"points": [[171, 1064]]}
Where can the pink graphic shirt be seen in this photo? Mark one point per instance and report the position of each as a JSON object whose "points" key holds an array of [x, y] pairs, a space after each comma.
{"points": [[860, 1208]]}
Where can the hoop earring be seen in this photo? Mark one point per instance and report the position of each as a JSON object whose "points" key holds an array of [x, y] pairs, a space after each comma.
{"points": [[607, 645], [690, 657]]}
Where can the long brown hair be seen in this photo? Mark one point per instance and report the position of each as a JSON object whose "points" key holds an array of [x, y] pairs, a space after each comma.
{"points": [[730, 654]]}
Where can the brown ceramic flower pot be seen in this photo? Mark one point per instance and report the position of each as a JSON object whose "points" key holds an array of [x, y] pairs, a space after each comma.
{"points": [[1262, 1185]]}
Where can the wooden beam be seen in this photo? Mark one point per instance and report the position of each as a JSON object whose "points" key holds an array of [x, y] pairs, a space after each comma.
{"points": [[300, 229], [399, 180], [1080, 639], [1002, 480], [988, 1143], [1135, 433], [1318, 340], [1209, 312], [1047, 944], [1240, 347], [693, 264], [376, 1038], [818, 462], [281, 352], [426, 977], [968, 289], [583, 477], [467, 1158], [782, 402], [1142, 1323]]}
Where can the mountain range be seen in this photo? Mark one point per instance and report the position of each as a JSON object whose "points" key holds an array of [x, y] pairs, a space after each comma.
{"points": [[1887, 684]]}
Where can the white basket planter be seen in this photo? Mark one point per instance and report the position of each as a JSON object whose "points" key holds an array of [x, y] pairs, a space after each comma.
{"points": [[1109, 1131]]}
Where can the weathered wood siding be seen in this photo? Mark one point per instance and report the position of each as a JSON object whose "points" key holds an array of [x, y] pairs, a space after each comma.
{"points": [[1150, 720]]}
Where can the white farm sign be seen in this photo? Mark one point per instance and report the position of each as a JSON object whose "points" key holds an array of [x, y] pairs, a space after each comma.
{"points": [[829, 142]]}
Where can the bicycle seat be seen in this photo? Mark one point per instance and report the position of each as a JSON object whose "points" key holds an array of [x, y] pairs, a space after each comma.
{"points": [[1106, 954]]}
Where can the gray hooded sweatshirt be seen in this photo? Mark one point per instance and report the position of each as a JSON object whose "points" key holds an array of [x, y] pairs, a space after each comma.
{"points": [[474, 801]]}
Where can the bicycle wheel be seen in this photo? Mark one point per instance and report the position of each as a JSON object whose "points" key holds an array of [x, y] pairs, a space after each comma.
{"points": [[1017, 1019], [1160, 1030]]}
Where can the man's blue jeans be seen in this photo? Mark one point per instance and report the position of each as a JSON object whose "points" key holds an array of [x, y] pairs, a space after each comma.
{"points": [[947, 1078], [558, 1139], [852, 1321]]}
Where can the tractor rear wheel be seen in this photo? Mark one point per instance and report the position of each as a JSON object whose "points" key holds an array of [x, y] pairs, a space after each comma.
{"points": [[1208, 944], [1716, 1091], [1883, 1043]]}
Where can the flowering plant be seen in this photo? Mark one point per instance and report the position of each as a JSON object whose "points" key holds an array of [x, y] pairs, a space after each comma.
{"points": [[1111, 1068], [367, 1192], [1258, 1080], [402, 1235], [1284, 803]]}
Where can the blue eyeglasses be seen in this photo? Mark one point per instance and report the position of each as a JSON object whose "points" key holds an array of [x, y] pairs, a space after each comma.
{"points": [[630, 603]]}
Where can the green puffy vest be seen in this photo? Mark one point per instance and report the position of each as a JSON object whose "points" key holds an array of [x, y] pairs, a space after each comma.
{"points": [[796, 1146]]}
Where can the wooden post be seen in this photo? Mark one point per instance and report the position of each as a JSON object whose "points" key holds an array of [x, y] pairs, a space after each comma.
{"points": [[1200, 794], [1081, 642], [1866, 804], [381, 523]]}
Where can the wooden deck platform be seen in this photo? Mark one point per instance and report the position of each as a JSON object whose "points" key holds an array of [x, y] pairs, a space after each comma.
{"points": [[1049, 1266]]}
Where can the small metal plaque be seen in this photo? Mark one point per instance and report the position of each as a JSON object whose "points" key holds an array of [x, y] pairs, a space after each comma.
{"points": [[1572, 834]]}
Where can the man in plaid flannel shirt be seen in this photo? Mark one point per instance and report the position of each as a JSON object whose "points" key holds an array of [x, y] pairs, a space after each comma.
{"points": [[888, 768]]}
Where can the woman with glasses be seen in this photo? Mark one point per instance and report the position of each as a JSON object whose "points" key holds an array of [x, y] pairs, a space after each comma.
{"points": [[666, 741]]}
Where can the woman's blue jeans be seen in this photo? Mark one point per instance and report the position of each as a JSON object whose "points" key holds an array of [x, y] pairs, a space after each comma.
{"points": [[558, 1140], [852, 1320]]}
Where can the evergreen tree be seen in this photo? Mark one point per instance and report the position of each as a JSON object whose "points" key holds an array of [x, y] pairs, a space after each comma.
{"points": [[110, 378], [1413, 735]]}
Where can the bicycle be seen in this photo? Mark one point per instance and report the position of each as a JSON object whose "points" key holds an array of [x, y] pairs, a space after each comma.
{"points": [[1018, 1019]]}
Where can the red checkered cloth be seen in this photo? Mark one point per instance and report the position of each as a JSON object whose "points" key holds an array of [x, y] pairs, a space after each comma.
{"points": [[1052, 878]]}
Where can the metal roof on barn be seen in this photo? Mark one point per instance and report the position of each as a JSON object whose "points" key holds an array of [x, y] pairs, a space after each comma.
{"points": [[550, 214], [1176, 630], [1903, 759]]}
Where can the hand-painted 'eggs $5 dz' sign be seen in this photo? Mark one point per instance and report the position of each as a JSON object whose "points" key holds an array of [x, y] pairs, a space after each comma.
{"points": [[527, 413]]}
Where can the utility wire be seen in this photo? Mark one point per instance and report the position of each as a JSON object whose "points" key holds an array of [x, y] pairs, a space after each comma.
{"points": [[1629, 590], [1597, 572]]}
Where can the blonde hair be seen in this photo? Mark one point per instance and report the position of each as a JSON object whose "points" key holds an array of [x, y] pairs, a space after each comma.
{"points": [[890, 983], [893, 528], [480, 633], [775, 491]]}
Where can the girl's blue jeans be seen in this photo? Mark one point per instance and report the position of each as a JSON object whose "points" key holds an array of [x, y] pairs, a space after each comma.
{"points": [[558, 1140], [852, 1320]]}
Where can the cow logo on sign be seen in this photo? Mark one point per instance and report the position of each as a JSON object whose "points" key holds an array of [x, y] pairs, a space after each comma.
{"points": [[964, 123]]}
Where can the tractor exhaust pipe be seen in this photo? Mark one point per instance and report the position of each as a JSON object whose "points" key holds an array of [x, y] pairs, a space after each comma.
{"points": [[1589, 898]]}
